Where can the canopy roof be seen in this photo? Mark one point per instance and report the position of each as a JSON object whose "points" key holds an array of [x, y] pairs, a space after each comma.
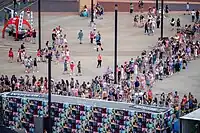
{"points": [[88, 102], [195, 115]]}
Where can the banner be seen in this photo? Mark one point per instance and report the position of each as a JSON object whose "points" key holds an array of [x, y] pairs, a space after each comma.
{"points": [[20, 25], [31, 20], [27, 95]]}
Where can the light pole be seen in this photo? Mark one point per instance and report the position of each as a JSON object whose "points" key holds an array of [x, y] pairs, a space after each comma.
{"points": [[115, 58], [14, 2], [161, 34], [156, 5], [39, 24], [49, 92], [92, 11]]}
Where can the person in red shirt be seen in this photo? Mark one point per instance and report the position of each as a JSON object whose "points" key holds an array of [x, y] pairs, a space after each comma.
{"points": [[92, 36], [38, 55], [10, 55], [33, 36], [99, 60], [72, 67]]}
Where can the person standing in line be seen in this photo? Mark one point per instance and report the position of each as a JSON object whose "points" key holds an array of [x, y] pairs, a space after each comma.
{"points": [[65, 67], [57, 55], [35, 67], [99, 60], [197, 16], [72, 67], [65, 39], [193, 15], [80, 36], [53, 35], [79, 68]]}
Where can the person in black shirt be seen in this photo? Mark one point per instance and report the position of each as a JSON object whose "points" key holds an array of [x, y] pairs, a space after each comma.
{"points": [[35, 65], [34, 36], [6, 80], [158, 22], [22, 46], [146, 28], [197, 16], [178, 23], [33, 80], [54, 35]]}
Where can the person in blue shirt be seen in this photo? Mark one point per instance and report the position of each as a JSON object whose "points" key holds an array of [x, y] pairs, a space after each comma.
{"points": [[98, 41], [80, 36]]}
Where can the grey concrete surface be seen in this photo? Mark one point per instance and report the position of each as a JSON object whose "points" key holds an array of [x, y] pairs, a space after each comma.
{"points": [[131, 41]]}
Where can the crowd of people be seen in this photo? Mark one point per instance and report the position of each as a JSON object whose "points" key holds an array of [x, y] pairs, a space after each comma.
{"points": [[98, 11], [136, 77]]}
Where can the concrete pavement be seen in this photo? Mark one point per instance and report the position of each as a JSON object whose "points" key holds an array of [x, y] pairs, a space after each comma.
{"points": [[131, 41]]}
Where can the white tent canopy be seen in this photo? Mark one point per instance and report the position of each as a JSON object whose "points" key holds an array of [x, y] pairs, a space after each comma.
{"points": [[195, 115]]}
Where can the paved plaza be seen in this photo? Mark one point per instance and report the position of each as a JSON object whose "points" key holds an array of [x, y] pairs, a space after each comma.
{"points": [[131, 41]]}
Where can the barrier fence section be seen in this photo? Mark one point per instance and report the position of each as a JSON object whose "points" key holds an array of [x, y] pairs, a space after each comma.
{"points": [[72, 114]]}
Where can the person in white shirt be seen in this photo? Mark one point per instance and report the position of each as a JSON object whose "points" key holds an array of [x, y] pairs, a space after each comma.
{"points": [[65, 39], [187, 8], [136, 69], [153, 25], [172, 23], [193, 15]]}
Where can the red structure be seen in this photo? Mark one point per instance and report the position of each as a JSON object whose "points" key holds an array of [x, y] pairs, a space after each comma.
{"points": [[15, 21]]}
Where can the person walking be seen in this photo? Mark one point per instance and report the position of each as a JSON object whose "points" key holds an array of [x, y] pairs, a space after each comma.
{"points": [[131, 8], [98, 41], [197, 16], [172, 23], [187, 8], [178, 23], [92, 36], [10, 55], [79, 68], [166, 10], [99, 60], [146, 31], [33, 36], [80, 36], [38, 55], [158, 22]]}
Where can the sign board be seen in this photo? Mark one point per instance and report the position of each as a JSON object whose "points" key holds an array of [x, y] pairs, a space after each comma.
{"points": [[26, 95], [21, 16]]}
